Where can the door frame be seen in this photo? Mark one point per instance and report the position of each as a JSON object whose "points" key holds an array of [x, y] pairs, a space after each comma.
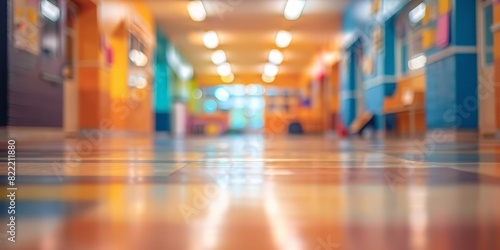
{"points": [[486, 119], [71, 107]]}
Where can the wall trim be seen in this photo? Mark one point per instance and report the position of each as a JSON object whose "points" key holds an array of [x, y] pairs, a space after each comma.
{"points": [[22, 132], [379, 80], [450, 51]]}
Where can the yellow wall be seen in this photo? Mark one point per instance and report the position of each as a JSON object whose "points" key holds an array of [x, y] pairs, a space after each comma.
{"points": [[129, 109]]}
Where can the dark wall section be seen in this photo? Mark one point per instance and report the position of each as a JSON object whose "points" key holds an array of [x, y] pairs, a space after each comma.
{"points": [[3, 63], [35, 86]]}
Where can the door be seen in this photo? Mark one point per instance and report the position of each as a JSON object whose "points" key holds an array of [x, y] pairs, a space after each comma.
{"points": [[486, 94], [70, 99]]}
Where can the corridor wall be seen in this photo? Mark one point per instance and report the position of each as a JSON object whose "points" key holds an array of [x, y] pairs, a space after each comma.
{"points": [[162, 85], [4, 62], [34, 72]]}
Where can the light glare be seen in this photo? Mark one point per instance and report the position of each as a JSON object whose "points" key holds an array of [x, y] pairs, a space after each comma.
{"points": [[293, 9]]}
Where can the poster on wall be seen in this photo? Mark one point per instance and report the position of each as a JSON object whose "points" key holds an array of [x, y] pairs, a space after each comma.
{"points": [[26, 26]]}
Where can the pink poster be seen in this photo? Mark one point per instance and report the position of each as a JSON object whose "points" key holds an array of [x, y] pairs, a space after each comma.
{"points": [[443, 31]]}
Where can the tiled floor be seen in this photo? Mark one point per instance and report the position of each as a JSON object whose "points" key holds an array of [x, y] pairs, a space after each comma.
{"points": [[253, 193]]}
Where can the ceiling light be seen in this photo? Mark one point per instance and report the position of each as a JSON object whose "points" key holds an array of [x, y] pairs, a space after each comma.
{"points": [[270, 69], [196, 11], [268, 79], [218, 57], [228, 78], [224, 69], [210, 39], [275, 56], [283, 38], [294, 9]]}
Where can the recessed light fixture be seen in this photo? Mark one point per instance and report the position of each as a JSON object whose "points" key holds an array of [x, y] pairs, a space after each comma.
{"points": [[275, 56], [210, 39], [224, 69], [218, 57], [197, 11], [228, 78], [268, 79], [270, 69], [283, 38], [294, 8]]}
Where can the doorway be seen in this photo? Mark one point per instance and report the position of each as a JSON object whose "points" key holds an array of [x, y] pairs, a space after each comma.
{"points": [[70, 99], [486, 94]]}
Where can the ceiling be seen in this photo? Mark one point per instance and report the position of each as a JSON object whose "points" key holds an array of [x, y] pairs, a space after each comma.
{"points": [[247, 31]]}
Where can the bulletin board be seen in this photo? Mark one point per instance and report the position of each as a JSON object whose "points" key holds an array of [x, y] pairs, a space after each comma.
{"points": [[26, 33]]}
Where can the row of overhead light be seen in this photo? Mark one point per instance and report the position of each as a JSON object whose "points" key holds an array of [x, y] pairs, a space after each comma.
{"points": [[197, 13], [293, 10]]}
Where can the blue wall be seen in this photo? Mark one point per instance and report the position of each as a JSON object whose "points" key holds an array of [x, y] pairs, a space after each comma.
{"points": [[162, 84], [451, 92], [376, 86]]}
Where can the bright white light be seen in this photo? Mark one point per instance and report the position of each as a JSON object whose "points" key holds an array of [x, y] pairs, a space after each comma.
{"points": [[417, 14], [224, 69], [138, 58], [268, 79], [50, 11], [221, 94], [417, 62], [197, 11], [210, 39], [271, 69], [228, 78], [283, 38], [275, 56], [294, 9], [185, 72], [218, 57]]}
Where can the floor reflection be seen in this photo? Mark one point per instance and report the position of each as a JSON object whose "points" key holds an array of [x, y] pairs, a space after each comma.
{"points": [[255, 193]]}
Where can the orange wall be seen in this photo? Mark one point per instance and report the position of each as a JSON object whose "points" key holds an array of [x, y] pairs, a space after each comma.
{"points": [[131, 109], [92, 100], [105, 97]]}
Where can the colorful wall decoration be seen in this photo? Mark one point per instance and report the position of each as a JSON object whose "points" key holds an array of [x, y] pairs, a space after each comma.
{"points": [[26, 26]]}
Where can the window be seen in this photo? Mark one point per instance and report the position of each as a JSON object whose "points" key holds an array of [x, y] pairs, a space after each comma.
{"points": [[410, 51], [487, 48]]}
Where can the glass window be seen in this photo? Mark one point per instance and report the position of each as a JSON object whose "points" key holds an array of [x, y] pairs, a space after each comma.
{"points": [[488, 57]]}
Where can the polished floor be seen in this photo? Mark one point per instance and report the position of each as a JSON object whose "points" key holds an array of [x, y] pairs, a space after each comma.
{"points": [[251, 192]]}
